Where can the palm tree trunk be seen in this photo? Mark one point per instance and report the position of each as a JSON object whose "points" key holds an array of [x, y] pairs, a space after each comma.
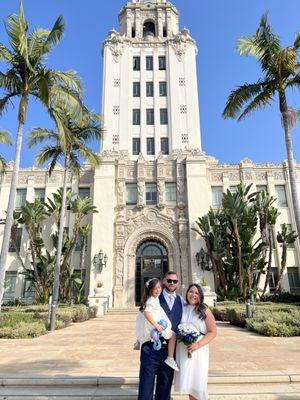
{"points": [[268, 274], [282, 268], [12, 195], [55, 292], [290, 158], [240, 261]]}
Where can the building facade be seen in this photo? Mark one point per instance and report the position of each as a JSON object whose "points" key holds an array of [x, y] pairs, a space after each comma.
{"points": [[154, 180]]}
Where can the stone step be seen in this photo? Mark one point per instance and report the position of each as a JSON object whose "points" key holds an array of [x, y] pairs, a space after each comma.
{"points": [[122, 311], [234, 387]]}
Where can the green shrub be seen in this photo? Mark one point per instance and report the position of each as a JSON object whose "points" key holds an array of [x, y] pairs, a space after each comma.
{"points": [[236, 317], [23, 330], [93, 311], [283, 297], [276, 323]]}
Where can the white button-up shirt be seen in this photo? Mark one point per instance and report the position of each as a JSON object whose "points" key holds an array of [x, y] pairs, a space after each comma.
{"points": [[170, 298]]}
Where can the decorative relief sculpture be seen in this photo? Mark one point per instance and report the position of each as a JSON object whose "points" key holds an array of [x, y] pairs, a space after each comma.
{"points": [[161, 194], [140, 194], [116, 44], [180, 43], [120, 193]]}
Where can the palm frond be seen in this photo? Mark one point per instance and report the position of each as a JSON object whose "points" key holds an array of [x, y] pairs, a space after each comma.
{"points": [[240, 96], [5, 137], [2, 165], [68, 79], [87, 154], [56, 33], [5, 53], [5, 100], [40, 135], [16, 28], [297, 42], [260, 101], [9, 82], [293, 82], [36, 44], [46, 154]]}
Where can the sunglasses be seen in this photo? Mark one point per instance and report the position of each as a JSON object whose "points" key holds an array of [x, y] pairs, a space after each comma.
{"points": [[172, 281]]}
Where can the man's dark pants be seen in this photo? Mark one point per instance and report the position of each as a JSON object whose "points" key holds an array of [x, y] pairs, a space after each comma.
{"points": [[153, 364]]}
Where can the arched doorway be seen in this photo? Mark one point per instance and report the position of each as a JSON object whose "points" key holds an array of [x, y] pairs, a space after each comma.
{"points": [[149, 28], [151, 262]]}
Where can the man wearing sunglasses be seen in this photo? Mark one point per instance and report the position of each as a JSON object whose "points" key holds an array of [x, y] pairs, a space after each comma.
{"points": [[172, 305]]}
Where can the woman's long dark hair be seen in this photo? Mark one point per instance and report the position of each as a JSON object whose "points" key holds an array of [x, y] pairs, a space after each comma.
{"points": [[148, 288], [201, 307]]}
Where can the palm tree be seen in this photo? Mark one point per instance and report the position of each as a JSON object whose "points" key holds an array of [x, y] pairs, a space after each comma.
{"points": [[280, 67], [286, 238], [28, 77], [69, 143], [5, 139]]}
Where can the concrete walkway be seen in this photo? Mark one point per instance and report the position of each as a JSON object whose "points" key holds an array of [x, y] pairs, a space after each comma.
{"points": [[103, 347]]}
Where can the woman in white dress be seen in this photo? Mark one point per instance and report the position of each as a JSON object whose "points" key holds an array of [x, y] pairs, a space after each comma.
{"points": [[193, 375]]}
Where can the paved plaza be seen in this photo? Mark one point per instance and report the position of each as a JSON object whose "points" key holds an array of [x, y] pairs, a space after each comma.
{"points": [[103, 346]]}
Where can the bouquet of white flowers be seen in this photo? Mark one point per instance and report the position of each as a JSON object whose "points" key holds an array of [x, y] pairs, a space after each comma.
{"points": [[188, 334]]}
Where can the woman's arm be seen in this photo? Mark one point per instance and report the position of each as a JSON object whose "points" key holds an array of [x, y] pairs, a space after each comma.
{"points": [[211, 332], [150, 319]]}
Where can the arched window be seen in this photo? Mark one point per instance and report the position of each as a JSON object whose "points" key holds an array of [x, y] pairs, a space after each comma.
{"points": [[149, 28]]}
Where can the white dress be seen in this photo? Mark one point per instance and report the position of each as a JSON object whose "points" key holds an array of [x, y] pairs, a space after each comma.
{"points": [[193, 375], [143, 326]]}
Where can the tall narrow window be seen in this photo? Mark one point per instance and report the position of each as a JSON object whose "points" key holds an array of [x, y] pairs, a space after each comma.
{"points": [[164, 145], [150, 116], [151, 194], [149, 89], [150, 146], [294, 279], [217, 196], [273, 279], [149, 63], [136, 63], [136, 89], [136, 146], [136, 116], [133, 32], [39, 194], [163, 89], [15, 240], [171, 193], [10, 284], [162, 63], [20, 198], [281, 195], [164, 116], [131, 193], [262, 188], [84, 192]]}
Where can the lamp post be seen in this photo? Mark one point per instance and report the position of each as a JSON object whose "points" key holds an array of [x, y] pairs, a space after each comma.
{"points": [[203, 260], [100, 260]]}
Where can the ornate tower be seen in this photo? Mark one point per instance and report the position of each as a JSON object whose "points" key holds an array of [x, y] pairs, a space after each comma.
{"points": [[150, 98]]}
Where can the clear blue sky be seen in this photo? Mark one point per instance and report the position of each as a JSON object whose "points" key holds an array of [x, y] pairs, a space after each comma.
{"points": [[215, 24]]}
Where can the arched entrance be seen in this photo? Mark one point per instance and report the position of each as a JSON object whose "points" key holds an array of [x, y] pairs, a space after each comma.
{"points": [[151, 262]]}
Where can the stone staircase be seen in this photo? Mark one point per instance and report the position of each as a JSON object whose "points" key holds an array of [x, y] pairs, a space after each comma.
{"points": [[230, 387]]}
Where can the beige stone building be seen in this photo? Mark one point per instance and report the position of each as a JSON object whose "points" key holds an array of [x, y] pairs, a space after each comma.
{"points": [[154, 180]]}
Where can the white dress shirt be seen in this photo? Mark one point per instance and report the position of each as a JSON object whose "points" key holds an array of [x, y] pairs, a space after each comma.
{"points": [[170, 298]]}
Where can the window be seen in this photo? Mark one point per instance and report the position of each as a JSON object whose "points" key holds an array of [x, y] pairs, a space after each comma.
{"points": [[233, 189], [163, 89], [294, 279], [149, 63], [171, 196], [28, 290], [136, 89], [273, 279], [136, 116], [136, 146], [10, 284], [164, 116], [217, 196], [131, 193], [262, 188], [79, 242], [149, 89], [162, 63], [150, 116], [151, 194], [133, 32], [150, 146], [164, 145], [289, 230], [84, 192], [39, 194], [20, 198], [15, 240], [281, 196], [164, 31], [136, 63]]}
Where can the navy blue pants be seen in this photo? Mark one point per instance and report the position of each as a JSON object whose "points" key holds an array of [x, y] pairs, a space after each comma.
{"points": [[152, 364]]}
